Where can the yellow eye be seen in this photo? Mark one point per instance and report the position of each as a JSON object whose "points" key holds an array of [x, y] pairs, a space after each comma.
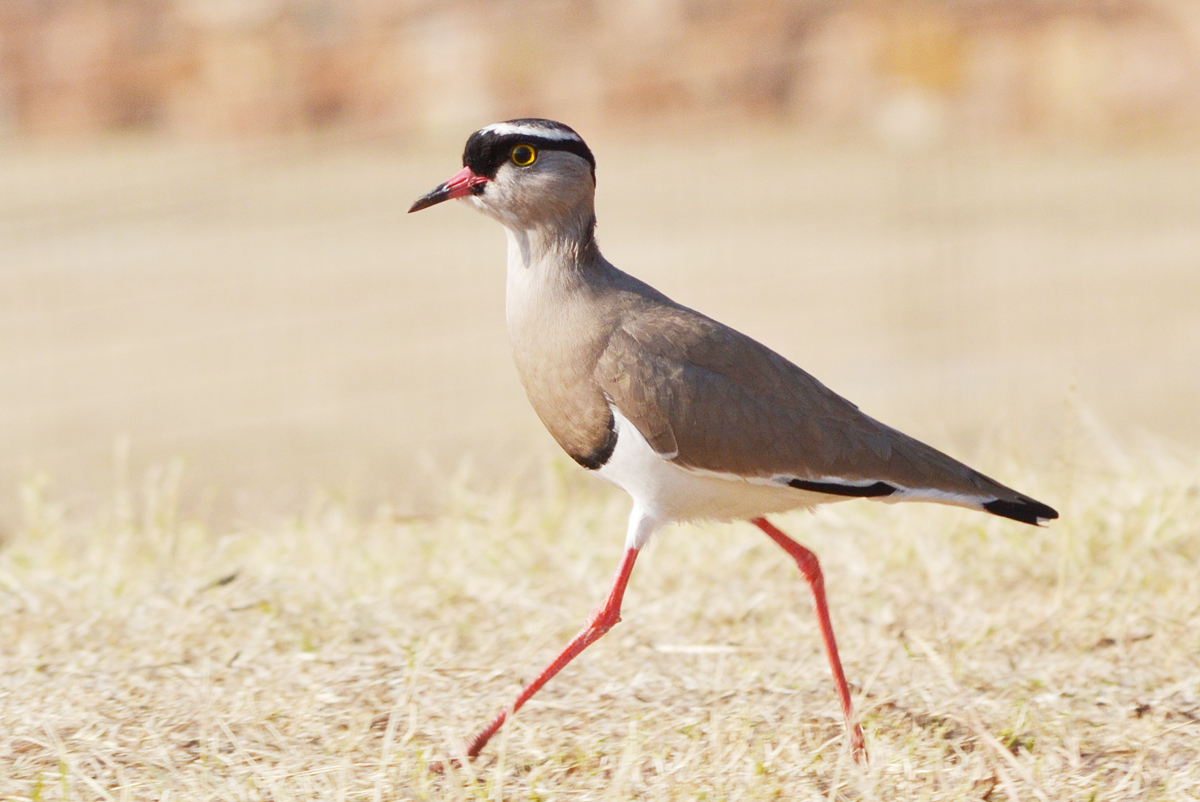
{"points": [[523, 155]]}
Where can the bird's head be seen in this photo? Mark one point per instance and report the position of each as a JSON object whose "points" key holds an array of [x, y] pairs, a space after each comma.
{"points": [[524, 173]]}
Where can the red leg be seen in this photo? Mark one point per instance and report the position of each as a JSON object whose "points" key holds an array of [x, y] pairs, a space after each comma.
{"points": [[602, 619], [811, 568]]}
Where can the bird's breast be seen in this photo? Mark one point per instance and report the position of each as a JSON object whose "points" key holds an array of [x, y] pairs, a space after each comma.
{"points": [[556, 342]]}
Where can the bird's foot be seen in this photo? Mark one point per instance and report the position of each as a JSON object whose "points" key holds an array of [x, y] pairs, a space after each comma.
{"points": [[858, 746]]}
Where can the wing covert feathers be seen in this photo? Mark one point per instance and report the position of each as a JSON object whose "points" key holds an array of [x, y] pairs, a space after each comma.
{"points": [[713, 399]]}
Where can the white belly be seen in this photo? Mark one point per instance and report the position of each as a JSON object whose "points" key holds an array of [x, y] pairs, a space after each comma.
{"points": [[668, 493]]}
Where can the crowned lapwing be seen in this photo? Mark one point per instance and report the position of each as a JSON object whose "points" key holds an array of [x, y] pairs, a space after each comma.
{"points": [[692, 419]]}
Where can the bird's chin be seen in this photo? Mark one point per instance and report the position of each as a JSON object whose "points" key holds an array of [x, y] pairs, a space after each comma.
{"points": [[482, 204]]}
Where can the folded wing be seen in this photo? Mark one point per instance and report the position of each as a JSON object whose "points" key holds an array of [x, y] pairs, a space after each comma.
{"points": [[710, 398]]}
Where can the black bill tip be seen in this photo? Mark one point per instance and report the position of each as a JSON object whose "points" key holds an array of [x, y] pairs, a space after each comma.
{"points": [[439, 194]]}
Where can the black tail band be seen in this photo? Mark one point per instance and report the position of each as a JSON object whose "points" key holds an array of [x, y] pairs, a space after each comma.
{"points": [[1025, 510]]}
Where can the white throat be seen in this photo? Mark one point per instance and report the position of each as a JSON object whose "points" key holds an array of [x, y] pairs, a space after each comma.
{"points": [[533, 271]]}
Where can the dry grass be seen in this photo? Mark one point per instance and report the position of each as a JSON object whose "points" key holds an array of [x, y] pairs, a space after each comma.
{"points": [[272, 317], [148, 657]]}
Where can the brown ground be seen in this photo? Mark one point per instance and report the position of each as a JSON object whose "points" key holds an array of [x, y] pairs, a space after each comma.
{"points": [[273, 317]]}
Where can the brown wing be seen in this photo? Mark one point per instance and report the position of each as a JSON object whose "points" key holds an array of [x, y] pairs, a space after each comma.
{"points": [[712, 398]]}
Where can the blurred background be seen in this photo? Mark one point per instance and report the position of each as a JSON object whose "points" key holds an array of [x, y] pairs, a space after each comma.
{"points": [[978, 219]]}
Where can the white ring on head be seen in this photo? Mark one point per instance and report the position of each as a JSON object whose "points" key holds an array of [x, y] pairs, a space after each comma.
{"points": [[505, 129]]}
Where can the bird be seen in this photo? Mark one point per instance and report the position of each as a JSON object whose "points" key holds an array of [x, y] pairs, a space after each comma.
{"points": [[691, 418]]}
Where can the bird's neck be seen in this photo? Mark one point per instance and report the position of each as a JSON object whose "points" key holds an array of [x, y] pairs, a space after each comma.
{"points": [[549, 269], [565, 243]]}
